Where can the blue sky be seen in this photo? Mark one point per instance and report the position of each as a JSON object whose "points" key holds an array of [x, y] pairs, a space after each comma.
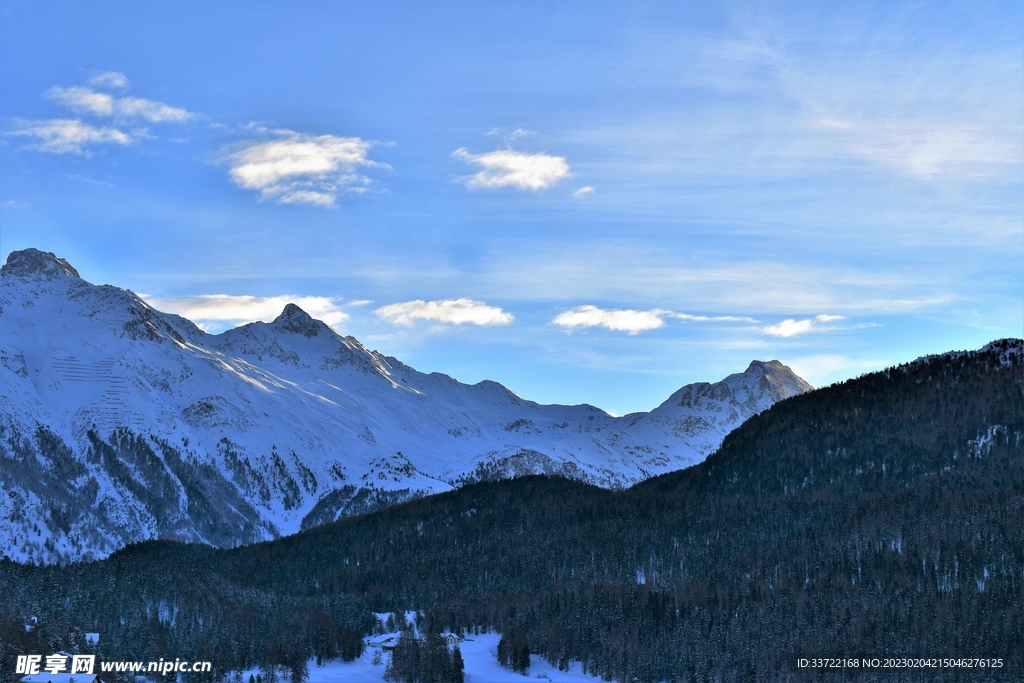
{"points": [[588, 202]]}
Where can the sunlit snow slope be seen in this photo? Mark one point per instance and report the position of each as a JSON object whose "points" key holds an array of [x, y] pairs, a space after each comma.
{"points": [[121, 423]]}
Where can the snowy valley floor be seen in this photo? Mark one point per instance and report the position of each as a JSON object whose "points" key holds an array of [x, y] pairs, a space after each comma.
{"points": [[481, 666]]}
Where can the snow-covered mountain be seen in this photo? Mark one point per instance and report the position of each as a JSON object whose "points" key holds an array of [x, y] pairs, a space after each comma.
{"points": [[120, 423]]}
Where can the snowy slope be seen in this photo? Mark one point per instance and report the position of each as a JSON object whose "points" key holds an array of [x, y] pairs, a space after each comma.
{"points": [[123, 423], [479, 653]]}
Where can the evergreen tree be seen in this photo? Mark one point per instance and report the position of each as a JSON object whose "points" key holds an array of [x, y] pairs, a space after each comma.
{"points": [[458, 667]]}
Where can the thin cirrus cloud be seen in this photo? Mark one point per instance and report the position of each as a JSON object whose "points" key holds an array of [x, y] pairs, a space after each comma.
{"points": [[296, 168], [214, 312], [68, 136], [792, 327], [88, 101], [449, 311], [584, 191], [923, 149], [630, 321], [509, 168]]}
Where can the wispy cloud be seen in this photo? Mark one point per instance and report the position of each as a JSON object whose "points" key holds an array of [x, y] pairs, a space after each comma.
{"points": [[91, 181], [948, 109], [509, 168], [154, 112], [665, 276], [296, 168], [584, 191], [842, 98], [214, 312], [630, 321], [923, 149], [68, 136], [88, 101], [453, 311], [110, 79], [792, 327], [710, 318], [511, 136], [75, 136], [82, 99]]}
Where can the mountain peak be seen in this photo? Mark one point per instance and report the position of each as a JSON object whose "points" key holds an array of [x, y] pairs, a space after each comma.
{"points": [[781, 379], [294, 319], [32, 263], [293, 312]]}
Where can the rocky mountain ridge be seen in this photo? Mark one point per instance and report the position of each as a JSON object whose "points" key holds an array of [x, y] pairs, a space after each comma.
{"points": [[120, 423]]}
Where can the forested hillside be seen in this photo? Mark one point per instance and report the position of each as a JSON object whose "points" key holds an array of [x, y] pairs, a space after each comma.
{"points": [[883, 516]]}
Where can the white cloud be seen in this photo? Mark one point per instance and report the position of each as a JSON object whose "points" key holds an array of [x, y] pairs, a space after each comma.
{"points": [[297, 168], [631, 321], [791, 327], [619, 320], [72, 136], [110, 79], [508, 168], [68, 136], [584, 191], [87, 100], [82, 99], [154, 112], [454, 311], [220, 311]]}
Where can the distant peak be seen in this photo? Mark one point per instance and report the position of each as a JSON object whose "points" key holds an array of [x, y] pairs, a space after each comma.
{"points": [[293, 312], [294, 319], [34, 263], [781, 378]]}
